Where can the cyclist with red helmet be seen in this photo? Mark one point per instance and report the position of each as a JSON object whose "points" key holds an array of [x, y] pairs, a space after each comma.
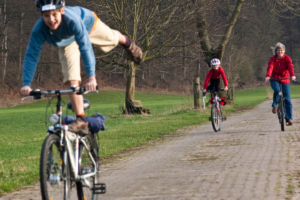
{"points": [[213, 77], [73, 30]]}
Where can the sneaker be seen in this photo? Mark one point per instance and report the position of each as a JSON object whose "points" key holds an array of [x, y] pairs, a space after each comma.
{"points": [[79, 126], [274, 110], [289, 122], [135, 53]]}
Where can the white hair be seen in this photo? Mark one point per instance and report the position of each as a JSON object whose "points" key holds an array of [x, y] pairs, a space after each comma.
{"points": [[279, 46]]}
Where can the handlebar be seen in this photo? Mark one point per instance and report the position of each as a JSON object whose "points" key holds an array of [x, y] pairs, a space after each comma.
{"points": [[36, 94], [212, 91], [280, 79]]}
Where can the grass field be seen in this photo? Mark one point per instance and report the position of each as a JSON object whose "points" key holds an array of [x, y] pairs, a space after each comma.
{"points": [[23, 129]]}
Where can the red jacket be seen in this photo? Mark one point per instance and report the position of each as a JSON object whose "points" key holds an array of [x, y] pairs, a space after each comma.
{"points": [[282, 68], [215, 74]]}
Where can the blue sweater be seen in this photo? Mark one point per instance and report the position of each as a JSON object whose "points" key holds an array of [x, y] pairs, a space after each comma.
{"points": [[77, 22]]}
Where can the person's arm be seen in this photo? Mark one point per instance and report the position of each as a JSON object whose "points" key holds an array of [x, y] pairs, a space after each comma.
{"points": [[290, 67], [87, 52], [269, 69], [32, 56], [85, 46], [207, 79], [224, 79]]}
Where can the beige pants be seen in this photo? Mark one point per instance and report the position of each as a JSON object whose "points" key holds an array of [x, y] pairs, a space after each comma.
{"points": [[69, 56]]}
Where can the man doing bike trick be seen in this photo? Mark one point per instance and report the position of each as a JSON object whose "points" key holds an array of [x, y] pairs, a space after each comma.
{"points": [[73, 30]]}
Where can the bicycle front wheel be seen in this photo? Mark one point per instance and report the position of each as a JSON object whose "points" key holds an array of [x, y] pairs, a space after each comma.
{"points": [[85, 189], [55, 180], [281, 114], [215, 119]]}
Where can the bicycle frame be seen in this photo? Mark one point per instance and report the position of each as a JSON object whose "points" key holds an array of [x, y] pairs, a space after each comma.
{"points": [[62, 131], [216, 113], [281, 107], [216, 102]]}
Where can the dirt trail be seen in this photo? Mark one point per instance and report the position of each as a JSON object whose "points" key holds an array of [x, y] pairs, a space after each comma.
{"points": [[249, 159]]}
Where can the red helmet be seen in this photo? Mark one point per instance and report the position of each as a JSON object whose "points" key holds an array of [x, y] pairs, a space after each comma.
{"points": [[46, 5]]}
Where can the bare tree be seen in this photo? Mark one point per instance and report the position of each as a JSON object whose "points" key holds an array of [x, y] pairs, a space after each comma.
{"points": [[4, 42], [281, 7], [20, 47], [209, 51], [154, 25]]}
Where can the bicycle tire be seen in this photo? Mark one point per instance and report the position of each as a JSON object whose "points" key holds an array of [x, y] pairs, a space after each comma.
{"points": [[220, 117], [55, 182], [215, 118], [86, 165], [281, 107]]}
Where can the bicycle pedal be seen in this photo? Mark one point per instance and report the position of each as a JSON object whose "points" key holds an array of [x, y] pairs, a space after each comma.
{"points": [[224, 118], [100, 188]]}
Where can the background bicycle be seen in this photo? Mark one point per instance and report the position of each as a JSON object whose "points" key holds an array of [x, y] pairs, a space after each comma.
{"points": [[281, 103], [69, 163], [216, 110]]}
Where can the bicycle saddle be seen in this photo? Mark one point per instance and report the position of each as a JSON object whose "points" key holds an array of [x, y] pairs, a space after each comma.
{"points": [[86, 104]]}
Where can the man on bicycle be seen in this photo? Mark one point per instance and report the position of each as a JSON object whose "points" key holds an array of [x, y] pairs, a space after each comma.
{"points": [[73, 30], [280, 66], [213, 77]]}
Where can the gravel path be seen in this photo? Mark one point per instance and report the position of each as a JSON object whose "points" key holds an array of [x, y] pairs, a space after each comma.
{"points": [[249, 159]]}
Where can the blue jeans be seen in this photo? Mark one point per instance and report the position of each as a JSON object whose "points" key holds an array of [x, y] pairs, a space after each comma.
{"points": [[288, 107]]}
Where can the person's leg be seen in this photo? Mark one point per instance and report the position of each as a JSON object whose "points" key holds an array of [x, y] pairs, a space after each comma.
{"points": [[214, 84], [76, 100], [69, 57], [106, 39], [275, 86], [288, 102], [217, 84]]}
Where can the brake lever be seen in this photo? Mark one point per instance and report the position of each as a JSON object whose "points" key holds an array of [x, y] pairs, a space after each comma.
{"points": [[90, 91]]}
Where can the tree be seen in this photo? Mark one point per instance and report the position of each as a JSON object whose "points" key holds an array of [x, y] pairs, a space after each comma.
{"points": [[281, 7], [154, 25], [208, 50]]}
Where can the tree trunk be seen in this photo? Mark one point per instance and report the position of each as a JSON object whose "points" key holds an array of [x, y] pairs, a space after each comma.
{"points": [[130, 86], [20, 48], [196, 83], [5, 42]]}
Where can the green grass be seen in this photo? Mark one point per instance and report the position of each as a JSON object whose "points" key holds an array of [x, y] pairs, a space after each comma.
{"points": [[250, 97], [23, 129]]}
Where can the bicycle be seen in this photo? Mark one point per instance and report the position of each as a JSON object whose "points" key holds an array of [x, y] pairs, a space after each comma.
{"points": [[63, 167], [281, 108], [216, 111]]}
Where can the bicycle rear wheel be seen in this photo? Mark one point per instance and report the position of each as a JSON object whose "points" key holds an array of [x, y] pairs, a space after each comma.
{"points": [[86, 165], [55, 179], [215, 119]]}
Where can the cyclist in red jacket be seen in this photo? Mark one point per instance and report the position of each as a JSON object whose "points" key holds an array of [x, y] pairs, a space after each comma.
{"points": [[213, 77], [280, 66]]}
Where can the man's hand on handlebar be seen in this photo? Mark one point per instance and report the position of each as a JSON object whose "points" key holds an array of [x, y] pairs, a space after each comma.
{"points": [[91, 84], [226, 88], [293, 78], [25, 90]]}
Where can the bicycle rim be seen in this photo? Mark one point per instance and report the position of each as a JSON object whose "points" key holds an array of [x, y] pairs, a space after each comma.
{"points": [[215, 118], [55, 179], [85, 191]]}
